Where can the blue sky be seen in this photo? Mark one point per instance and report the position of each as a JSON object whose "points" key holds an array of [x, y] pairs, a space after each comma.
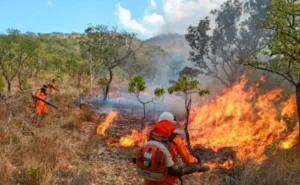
{"points": [[145, 17]]}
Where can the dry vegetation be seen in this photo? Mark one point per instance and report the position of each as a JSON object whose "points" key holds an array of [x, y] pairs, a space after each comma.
{"points": [[56, 150]]}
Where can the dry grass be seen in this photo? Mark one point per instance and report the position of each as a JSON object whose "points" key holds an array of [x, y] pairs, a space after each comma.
{"points": [[281, 169], [50, 152]]}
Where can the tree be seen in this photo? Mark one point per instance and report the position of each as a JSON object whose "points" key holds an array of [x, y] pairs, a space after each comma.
{"points": [[137, 85], [93, 49], [120, 47], [103, 81], [8, 68], [16, 53], [25, 51], [187, 86], [141, 63], [77, 70], [283, 46], [216, 55]]}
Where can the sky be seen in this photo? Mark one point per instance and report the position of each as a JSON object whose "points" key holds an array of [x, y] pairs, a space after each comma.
{"points": [[147, 18]]}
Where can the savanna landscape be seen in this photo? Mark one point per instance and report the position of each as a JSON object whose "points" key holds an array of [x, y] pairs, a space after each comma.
{"points": [[232, 80]]}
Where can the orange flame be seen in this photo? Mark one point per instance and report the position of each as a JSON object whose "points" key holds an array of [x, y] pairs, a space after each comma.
{"points": [[214, 165], [243, 120], [108, 120], [290, 140], [134, 138]]}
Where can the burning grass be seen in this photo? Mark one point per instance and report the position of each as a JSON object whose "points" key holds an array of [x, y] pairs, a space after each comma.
{"points": [[245, 120]]}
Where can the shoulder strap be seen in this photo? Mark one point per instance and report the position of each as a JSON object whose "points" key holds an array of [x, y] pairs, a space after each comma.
{"points": [[171, 138]]}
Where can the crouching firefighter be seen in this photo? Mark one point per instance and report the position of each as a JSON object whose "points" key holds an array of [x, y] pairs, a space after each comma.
{"points": [[156, 159]]}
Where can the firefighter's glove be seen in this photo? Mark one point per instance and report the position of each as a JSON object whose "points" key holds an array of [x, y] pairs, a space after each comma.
{"points": [[202, 168], [198, 158]]}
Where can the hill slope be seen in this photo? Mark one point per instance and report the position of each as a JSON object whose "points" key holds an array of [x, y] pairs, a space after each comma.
{"points": [[171, 42]]}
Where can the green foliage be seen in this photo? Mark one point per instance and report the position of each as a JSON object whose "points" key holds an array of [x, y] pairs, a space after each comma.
{"points": [[159, 91], [77, 70], [137, 84], [16, 53], [102, 81], [184, 85], [283, 42], [203, 92], [189, 72]]}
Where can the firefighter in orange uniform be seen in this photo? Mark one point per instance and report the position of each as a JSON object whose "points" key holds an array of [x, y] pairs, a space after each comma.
{"points": [[41, 107], [166, 126], [52, 87]]}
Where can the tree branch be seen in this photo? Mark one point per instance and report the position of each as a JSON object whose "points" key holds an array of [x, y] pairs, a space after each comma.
{"points": [[272, 71]]}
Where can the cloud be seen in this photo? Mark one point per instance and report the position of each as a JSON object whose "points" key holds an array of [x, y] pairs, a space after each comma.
{"points": [[176, 16], [153, 3], [49, 2], [153, 20], [179, 14], [148, 26], [126, 20]]}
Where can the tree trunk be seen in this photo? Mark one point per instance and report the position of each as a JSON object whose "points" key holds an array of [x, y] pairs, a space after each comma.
{"points": [[108, 84], [8, 86], [20, 83], [298, 106], [91, 76], [8, 81], [187, 119], [78, 82], [144, 117], [91, 84]]}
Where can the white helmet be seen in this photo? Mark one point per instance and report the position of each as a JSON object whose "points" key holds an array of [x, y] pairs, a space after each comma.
{"points": [[167, 116]]}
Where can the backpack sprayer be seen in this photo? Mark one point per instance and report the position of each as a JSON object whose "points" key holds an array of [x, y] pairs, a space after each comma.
{"points": [[154, 162]]}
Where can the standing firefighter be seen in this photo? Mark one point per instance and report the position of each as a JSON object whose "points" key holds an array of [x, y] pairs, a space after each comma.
{"points": [[41, 107], [156, 160], [52, 87]]}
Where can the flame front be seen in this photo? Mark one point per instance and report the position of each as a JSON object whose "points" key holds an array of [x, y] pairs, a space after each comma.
{"points": [[134, 138], [243, 120], [111, 116]]}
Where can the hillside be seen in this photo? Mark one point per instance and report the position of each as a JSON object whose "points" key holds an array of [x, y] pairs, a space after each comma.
{"points": [[171, 42]]}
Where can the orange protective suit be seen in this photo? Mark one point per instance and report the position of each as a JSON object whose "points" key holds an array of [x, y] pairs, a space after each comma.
{"points": [[40, 107], [52, 90], [167, 128]]}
